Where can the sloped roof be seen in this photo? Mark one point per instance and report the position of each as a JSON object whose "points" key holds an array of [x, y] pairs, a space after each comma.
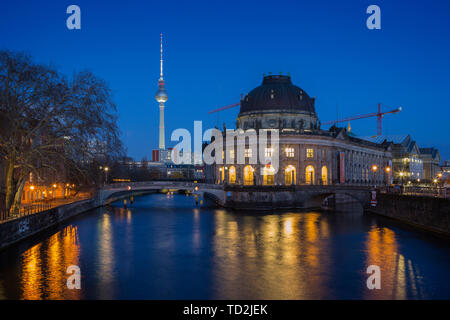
{"points": [[430, 151], [397, 139]]}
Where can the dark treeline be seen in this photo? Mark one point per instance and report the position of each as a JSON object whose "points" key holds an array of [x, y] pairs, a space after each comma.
{"points": [[52, 127]]}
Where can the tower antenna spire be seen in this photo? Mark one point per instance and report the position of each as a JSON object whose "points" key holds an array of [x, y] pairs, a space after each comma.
{"points": [[161, 74], [161, 97]]}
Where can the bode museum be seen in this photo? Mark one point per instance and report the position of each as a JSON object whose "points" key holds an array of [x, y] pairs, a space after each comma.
{"points": [[307, 153]]}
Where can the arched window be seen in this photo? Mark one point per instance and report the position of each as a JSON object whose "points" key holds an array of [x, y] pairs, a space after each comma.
{"points": [[309, 175], [289, 175], [324, 175], [232, 175], [248, 176], [269, 175]]}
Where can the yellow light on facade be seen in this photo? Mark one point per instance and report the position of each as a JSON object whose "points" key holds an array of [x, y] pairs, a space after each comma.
{"points": [[401, 174], [388, 169], [31, 187], [439, 175], [374, 168], [435, 180], [54, 185]]}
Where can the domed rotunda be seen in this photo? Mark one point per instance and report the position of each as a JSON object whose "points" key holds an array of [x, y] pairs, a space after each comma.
{"points": [[277, 104]]}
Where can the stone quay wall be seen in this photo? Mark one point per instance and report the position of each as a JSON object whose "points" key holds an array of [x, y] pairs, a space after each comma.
{"points": [[429, 213], [12, 231]]}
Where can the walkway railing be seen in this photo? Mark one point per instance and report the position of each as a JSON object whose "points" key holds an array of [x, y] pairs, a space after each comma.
{"points": [[438, 192], [27, 209]]}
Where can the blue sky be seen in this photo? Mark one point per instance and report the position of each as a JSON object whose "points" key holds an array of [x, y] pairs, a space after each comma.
{"points": [[216, 50]]}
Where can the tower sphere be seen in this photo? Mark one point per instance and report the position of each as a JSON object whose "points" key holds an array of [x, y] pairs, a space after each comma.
{"points": [[161, 94]]}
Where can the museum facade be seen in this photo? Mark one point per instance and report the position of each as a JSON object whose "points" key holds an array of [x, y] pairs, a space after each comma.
{"points": [[307, 154]]}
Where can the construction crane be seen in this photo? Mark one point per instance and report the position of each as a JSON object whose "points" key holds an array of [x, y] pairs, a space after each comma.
{"points": [[225, 108], [377, 114]]}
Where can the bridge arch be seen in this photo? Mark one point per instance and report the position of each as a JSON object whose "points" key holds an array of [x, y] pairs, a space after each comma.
{"points": [[317, 200]]}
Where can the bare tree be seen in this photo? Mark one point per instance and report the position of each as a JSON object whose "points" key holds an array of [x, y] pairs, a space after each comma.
{"points": [[49, 123]]}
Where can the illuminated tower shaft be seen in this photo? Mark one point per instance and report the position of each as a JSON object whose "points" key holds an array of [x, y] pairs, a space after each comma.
{"points": [[161, 97], [162, 138]]}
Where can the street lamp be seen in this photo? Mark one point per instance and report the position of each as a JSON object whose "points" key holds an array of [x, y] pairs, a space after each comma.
{"points": [[388, 171], [374, 170], [106, 173], [401, 177]]}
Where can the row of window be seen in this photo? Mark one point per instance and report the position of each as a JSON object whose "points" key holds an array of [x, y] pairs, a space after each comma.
{"points": [[268, 152], [269, 175]]}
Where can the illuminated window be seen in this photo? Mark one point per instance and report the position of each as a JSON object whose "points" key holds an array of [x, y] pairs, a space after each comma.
{"points": [[223, 154], [289, 152], [310, 153], [289, 175], [268, 152], [268, 175], [309, 175], [248, 175], [248, 153], [324, 175], [232, 154], [232, 175]]}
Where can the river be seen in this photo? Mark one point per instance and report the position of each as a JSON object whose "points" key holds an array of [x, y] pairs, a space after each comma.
{"points": [[166, 247]]}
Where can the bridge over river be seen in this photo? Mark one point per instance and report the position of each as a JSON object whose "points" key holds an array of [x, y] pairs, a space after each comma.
{"points": [[244, 197]]}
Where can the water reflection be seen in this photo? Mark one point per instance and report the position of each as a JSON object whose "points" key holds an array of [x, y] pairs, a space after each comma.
{"points": [[165, 247], [44, 267], [280, 255], [105, 258], [399, 278]]}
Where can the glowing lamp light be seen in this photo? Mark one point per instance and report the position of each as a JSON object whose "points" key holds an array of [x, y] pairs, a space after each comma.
{"points": [[374, 168], [54, 185], [388, 169], [129, 187], [31, 187]]}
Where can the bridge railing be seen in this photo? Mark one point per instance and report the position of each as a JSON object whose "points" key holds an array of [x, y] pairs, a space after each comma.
{"points": [[166, 184], [440, 192]]}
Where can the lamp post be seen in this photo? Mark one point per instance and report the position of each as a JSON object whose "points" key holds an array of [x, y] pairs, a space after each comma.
{"points": [[106, 175], [374, 170], [388, 171]]}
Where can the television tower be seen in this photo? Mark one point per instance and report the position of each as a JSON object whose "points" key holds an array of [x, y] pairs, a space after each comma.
{"points": [[161, 97]]}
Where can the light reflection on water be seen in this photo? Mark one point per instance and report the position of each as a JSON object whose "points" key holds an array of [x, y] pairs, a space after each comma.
{"points": [[164, 247]]}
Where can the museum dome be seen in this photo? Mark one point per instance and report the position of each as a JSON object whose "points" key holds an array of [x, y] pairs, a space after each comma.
{"points": [[277, 93]]}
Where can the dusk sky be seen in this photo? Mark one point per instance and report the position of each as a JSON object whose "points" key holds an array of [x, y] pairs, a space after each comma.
{"points": [[216, 50]]}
